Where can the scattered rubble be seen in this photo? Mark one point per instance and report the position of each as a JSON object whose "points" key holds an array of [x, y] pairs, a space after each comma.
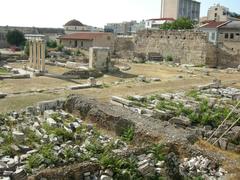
{"points": [[43, 141], [200, 110]]}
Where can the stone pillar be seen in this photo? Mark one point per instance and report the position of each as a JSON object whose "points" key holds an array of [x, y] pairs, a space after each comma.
{"points": [[38, 55], [30, 54], [42, 56], [34, 55], [99, 58]]}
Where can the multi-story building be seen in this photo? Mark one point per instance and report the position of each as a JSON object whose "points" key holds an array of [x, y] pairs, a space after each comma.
{"points": [[219, 13], [124, 28], [180, 8]]}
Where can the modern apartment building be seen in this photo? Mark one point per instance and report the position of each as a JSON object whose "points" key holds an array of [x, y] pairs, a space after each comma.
{"points": [[180, 8], [124, 28]]}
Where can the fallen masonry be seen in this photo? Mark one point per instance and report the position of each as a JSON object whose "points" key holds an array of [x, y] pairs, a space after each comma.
{"points": [[200, 111], [60, 140]]}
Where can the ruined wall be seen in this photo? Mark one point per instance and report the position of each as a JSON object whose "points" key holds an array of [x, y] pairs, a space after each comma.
{"points": [[124, 47], [184, 46], [227, 59]]}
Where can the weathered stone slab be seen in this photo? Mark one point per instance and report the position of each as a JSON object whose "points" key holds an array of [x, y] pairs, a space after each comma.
{"points": [[121, 100]]}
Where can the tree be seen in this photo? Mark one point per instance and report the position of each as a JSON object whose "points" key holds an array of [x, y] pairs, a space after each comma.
{"points": [[51, 44], [181, 23], [16, 38]]}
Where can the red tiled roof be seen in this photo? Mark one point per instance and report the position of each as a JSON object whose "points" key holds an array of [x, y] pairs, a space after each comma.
{"points": [[83, 36], [214, 24], [163, 19]]}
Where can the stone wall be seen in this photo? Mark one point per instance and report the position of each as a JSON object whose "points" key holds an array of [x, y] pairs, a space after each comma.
{"points": [[124, 47], [227, 59], [184, 46]]}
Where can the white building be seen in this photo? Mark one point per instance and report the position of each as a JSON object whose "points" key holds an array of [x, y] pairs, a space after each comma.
{"points": [[156, 23], [35, 37]]}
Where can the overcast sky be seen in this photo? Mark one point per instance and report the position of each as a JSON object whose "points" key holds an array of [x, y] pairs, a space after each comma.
{"points": [[55, 13]]}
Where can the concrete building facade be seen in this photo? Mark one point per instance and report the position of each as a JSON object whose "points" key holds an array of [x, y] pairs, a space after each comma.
{"points": [[180, 8], [125, 28]]}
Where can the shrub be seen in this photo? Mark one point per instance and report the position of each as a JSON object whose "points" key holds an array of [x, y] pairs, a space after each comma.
{"points": [[118, 164], [51, 44], [67, 52], [169, 58], [58, 132], [158, 151], [60, 47], [48, 154], [34, 161], [32, 137], [128, 134]]}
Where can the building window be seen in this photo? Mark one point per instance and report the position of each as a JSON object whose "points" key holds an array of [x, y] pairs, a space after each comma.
{"points": [[226, 35], [237, 34], [81, 43], [216, 9], [215, 15], [213, 36], [231, 36]]}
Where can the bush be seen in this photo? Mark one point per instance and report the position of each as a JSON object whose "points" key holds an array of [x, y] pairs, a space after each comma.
{"points": [[158, 151], [34, 161], [48, 154], [67, 52], [51, 44], [169, 58], [60, 47], [128, 134]]}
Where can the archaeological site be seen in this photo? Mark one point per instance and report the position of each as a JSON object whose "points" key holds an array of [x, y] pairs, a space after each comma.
{"points": [[157, 99]]}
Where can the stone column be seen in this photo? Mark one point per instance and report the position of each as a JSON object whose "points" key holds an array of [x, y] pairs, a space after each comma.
{"points": [[38, 55], [34, 55], [30, 54], [42, 56]]}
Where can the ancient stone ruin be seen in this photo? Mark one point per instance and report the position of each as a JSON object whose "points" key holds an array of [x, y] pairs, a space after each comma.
{"points": [[37, 55], [100, 59]]}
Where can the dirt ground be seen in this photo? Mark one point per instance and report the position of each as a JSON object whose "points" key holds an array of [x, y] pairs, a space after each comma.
{"points": [[21, 92]]}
